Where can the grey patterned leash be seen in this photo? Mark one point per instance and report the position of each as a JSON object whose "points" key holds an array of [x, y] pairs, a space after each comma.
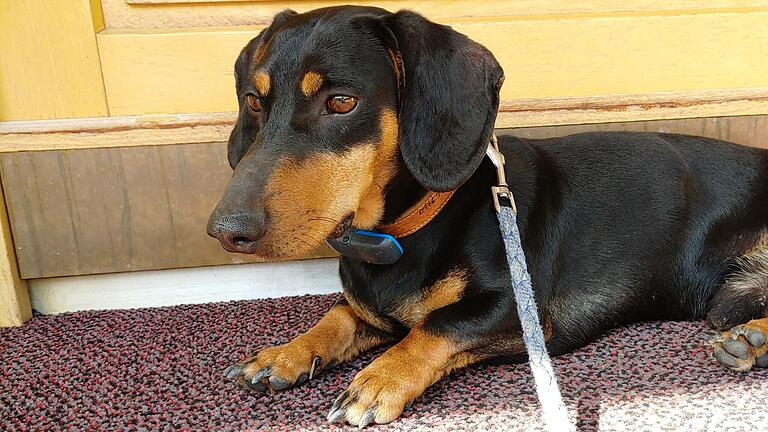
{"points": [[555, 412]]}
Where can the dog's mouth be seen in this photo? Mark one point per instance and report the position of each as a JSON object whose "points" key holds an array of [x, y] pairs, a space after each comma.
{"points": [[344, 225]]}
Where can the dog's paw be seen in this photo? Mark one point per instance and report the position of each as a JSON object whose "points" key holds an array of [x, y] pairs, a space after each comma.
{"points": [[743, 347], [378, 394], [277, 368]]}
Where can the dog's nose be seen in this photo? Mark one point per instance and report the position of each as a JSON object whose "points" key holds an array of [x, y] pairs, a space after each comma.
{"points": [[238, 232]]}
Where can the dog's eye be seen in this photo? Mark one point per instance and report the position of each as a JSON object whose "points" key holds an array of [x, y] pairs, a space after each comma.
{"points": [[340, 104], [253, 102]]}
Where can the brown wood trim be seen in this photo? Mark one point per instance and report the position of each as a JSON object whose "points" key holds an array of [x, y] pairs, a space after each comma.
{"points": [[115, 124], [141, 208], [637, 107], [110, 132], [152, 130], [15, 307]]}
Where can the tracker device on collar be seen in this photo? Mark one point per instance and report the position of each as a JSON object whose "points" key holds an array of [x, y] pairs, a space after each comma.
{"points": [[382, 247], [367, 246]]}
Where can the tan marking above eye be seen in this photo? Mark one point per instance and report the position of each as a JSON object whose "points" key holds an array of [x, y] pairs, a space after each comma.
{"points": [[311, 83], [341, 104], [254, 103], [262, 82]]}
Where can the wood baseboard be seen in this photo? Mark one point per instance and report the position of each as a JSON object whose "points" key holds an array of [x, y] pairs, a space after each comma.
{"points": [[184, 286]]}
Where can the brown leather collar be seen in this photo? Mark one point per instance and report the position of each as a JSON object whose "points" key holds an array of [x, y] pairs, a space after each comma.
{"points": [[418, 215]]}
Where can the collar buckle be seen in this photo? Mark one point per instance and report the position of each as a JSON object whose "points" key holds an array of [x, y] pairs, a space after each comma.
{"points": [[501, 190]]}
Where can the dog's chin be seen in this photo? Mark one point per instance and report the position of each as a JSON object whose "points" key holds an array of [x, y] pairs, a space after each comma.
{"points": [[286, 249], [282, 245], [289, 246]]}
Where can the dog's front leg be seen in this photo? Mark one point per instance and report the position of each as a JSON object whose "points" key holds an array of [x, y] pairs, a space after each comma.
{"points": [[339, 336], [448, 338]]}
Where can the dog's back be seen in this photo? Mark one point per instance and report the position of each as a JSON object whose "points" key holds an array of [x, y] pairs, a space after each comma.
{"points": [[643, 226]]}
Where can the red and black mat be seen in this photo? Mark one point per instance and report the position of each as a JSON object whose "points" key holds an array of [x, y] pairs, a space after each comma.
{"points": [[161, 369]]}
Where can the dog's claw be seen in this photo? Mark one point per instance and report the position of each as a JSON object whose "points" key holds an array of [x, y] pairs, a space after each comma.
{"points": [[367, 418], [233, 371], [263, 373], [336, 414], [256, 386], [255, 382], [717, 339], [339, 400], [315, 363], [278, 383], [302, 379]]}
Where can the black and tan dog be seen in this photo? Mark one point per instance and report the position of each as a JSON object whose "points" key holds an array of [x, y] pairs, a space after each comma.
{"points": [[355, 116]]}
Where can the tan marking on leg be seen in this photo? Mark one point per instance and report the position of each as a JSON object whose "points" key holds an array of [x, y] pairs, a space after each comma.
{"points": [[307, 200], [760, 324], [760, 245], [459, 361], [311, 83], [401, 374], [547, 328], [752, 274], [337, 337], [447, 290], [262, 82]]}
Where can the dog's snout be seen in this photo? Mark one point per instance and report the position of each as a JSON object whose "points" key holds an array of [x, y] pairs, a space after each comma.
{"points": [[237, 232]]}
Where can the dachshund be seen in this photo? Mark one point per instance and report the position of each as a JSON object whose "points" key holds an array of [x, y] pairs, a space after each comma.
{"points": [[359, 118]]}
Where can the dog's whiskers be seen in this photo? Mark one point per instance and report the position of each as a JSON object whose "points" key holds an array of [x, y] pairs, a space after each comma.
{"points": [[322, 219]]}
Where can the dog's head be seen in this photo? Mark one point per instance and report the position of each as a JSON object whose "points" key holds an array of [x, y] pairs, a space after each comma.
{"points": [[333, 104]]}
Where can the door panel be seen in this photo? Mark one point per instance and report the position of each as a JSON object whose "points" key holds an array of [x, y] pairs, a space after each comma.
{"points": [[49, 61], [200, 13], [190, 70]]}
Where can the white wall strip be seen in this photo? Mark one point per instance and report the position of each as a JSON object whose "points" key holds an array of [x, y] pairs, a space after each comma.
{"points": [[184, 286]]}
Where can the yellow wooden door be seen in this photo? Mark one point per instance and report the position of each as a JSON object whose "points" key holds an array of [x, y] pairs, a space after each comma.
{"points": [[558, 55]]}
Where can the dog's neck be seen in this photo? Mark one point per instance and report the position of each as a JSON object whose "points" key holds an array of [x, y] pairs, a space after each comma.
{"points": [[403, 191]]}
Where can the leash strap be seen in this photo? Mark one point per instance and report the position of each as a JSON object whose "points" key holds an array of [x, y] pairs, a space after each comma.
{"points": [[552, 406]]}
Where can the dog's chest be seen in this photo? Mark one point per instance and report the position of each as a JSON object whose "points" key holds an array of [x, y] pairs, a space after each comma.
{"points": [[410, 310]]}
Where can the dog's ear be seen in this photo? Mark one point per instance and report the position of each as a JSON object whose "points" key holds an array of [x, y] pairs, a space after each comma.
{"points": [[246, 128], [449, 99]]}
